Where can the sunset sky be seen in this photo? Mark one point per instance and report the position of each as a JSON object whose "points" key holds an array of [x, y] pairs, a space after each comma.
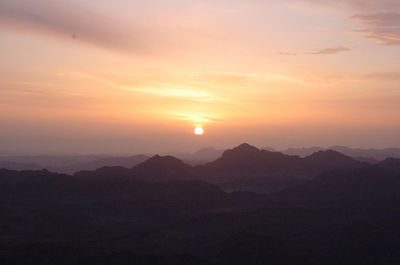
{"points": [[130, 76]]}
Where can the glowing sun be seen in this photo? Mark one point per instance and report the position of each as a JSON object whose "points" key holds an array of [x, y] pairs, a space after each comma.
{"points": [[198, 131]]}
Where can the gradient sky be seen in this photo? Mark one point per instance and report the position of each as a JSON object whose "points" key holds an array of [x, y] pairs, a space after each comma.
{"points": [[130, 76]]}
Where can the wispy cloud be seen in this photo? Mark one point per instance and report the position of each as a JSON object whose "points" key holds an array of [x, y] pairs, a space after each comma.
{"points": [[333, 50], [382, 35], [385, 76], [191, 94], [379, 19], [196, 118], [364, 5], [383, 27], [324, 51], [64, 19], [382, 18], [287, 53]]}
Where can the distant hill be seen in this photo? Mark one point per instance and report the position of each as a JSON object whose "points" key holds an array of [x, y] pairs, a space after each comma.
{"points": [[127, 162], [52, 161], [19, 166], [378, 154], [392, 164], [302, 152], [369, 155], [163, 168], [155, 169], [201, 156]]}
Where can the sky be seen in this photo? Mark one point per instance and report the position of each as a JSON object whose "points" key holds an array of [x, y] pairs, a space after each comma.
{"points": [[131, 76]]}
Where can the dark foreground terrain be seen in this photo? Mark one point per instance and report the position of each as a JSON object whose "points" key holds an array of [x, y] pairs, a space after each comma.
{"points": [[326, 208]]}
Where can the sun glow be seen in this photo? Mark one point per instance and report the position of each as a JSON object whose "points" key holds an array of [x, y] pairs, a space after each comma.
{"points": [[198, 131]]}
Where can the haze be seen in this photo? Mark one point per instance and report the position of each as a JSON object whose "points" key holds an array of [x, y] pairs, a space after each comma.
{"points": [[138, 76]]}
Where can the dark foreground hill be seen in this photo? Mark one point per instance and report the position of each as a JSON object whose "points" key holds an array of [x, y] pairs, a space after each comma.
{"points": [[161, 212], [342, 217]]}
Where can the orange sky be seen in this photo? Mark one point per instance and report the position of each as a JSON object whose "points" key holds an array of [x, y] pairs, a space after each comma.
{"points": [[139, 76]]}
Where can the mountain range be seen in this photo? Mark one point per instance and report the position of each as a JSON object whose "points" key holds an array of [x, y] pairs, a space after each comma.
{"points": [[369, 155], [326, 208], [73, 163]]}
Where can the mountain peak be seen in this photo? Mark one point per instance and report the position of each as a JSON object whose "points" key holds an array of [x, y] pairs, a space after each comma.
{"points": [[243, 150], [245, 147], [161, 161], [390, 163], [161, 168], [163, 158], [329, 160], [391, 160], [327, 154]]}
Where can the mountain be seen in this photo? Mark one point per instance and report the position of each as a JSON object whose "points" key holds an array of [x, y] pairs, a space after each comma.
{"points": [[243, 168], [163, 168], [392, 164], [19, 166], [247, 168], [323, 161], [378, 154], [127, 162], [248, 161], [105, 173], [155, 169], [111, 216], [366, 155]]}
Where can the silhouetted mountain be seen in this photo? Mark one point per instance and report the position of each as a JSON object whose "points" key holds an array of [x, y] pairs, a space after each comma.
{"points": [[111, 216], [127, 162], [163, 168], [364, 155], [392, 164], [323, 161], [248, 161], [19, 166], [378, 154], [105, 173], [155, 169]]}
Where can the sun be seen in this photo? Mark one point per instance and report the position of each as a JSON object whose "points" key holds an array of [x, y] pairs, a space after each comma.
{"points": [[198, 131]]}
